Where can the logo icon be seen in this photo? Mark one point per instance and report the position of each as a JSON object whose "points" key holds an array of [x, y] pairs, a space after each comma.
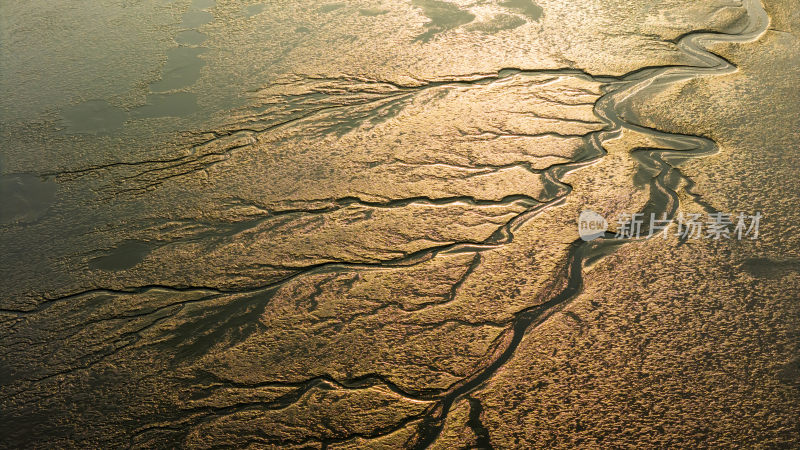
{"points": [[591, 225]]}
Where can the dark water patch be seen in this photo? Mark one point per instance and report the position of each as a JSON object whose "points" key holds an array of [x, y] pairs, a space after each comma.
{"points": [[194, 19], [225, 324], [330, 7], [372, 12], [176, 104], [93, 117], [526, 7], [770, 268], [647, 168], [444, 16], [252, 10], [190, 37], [498, 23], [388, 111], [182, 69], [124, 256], [24, 198], [789, 373]]}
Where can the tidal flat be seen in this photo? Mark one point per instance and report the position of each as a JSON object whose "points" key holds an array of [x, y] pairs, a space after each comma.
{"points": [[356, 224]]}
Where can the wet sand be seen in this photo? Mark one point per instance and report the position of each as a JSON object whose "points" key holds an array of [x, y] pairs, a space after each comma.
{"points": [[325, 224]]}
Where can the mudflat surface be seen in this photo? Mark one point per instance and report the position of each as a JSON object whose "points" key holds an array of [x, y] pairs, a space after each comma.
{"points": [[353, 224]]}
